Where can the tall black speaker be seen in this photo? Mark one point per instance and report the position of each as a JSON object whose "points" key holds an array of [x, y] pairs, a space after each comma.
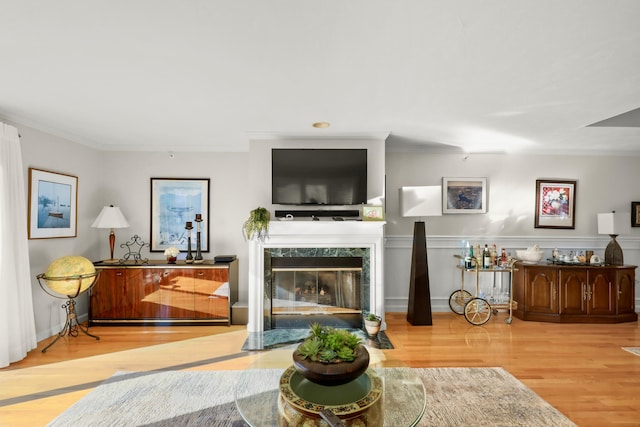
{"points": [[419, 309]]}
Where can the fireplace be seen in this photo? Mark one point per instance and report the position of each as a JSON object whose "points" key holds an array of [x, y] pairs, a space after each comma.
{"points": [[315, 239], [324, 290]]}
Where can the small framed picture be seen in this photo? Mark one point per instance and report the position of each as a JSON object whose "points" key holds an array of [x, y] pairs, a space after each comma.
{"points": [[555, 203], [464, 195], [635, 214], [372, 213], [53, 204]]}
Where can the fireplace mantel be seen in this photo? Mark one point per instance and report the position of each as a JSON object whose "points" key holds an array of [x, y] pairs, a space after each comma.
{"points": [[316, 234]]}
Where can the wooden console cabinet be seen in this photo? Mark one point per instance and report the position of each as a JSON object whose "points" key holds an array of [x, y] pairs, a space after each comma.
{"points": [[161, 293], [575, 294]]}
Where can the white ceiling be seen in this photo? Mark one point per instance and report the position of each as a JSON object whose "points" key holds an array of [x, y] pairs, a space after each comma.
{"points": [[209, 75]]}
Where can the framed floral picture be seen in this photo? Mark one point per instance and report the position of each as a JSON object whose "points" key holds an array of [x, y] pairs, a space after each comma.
{"points": [[372, 213], [555, 203], [53, 204]]}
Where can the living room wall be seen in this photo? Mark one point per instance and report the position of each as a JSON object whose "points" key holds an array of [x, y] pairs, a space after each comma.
{"points": [[123, 179], [604, 184]]}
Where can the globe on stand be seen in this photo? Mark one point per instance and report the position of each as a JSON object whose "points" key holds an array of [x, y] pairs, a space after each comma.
{"points": [[67, 278]]}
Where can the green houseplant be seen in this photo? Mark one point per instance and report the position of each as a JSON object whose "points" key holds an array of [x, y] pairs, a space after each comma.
{"points": [[257, 226], [372, 324], [331, 356]]}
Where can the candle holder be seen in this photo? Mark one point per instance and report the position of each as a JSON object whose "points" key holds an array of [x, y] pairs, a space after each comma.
{"points": [[189, 258], [198, 258]]}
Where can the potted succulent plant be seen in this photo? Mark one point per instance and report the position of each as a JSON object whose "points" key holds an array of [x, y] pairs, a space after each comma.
{"points": [[331, 356], [257, 226], [372, 324]]}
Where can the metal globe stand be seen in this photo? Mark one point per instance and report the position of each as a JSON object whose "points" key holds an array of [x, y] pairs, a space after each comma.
{"points": [[71, 326]]}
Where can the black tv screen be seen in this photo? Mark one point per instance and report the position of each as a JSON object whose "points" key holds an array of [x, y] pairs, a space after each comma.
{"points": [[318, 176]]}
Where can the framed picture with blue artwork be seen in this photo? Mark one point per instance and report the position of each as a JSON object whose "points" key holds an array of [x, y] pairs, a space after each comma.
{"points": [[176, 205], [464, 195], [53, 204]]}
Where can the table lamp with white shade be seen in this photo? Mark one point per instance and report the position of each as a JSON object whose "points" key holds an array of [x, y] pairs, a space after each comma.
{"points": [[611, 224], [111, 217], [420, 201]]}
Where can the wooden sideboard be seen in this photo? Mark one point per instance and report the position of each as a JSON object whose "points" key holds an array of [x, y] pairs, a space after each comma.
{"points": [[161, 293], [575, 293]]}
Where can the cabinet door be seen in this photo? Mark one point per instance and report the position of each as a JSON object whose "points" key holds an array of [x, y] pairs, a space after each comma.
{"points": [[541, 290], [625, 290], [212, 293], [573, 291], [600, 293], [154, 280], [104, 297], [177, 293]]}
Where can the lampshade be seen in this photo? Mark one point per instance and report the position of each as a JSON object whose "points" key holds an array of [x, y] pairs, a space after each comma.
{"points": [[110, 217], [610, 223], [421, 201]]}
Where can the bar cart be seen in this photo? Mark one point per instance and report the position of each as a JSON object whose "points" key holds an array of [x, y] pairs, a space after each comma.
{"points": [[477, 308]]}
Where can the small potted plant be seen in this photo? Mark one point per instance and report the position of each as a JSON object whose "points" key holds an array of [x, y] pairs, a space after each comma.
{"points": [[331, 356], [171, 254], [372, 324], [257, 226]]}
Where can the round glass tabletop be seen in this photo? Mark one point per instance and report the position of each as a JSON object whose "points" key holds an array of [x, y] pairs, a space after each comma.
{"points": [[398, 394]]}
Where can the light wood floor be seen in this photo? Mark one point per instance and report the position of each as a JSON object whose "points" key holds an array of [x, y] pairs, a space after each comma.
{"points": [[580, 369]]}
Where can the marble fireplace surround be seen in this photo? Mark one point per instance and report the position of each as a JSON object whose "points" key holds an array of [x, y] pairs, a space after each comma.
{"points": [[305, 238]]}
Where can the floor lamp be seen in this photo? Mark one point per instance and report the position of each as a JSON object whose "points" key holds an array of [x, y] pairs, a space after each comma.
{"points": [[421, 201]]}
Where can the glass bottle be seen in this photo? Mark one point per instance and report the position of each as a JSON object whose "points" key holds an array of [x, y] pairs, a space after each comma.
{"points": [[486, 257]]}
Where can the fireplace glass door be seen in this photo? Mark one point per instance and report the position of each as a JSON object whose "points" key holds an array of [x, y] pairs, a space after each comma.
{"points": [[329, 295]]}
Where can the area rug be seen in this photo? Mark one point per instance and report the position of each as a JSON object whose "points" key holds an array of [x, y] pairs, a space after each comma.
{"points": [[634, 350], [455, 397]]}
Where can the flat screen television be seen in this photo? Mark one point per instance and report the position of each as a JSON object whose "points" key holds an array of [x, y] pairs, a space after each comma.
{"points": [[318, 176]]}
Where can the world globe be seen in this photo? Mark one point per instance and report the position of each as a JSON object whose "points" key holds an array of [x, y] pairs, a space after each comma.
{"points": [[69, 276]]}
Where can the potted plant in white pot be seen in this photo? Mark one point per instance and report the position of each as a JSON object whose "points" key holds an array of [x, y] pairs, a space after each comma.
{"points": [[257, 226], [372, 324]]}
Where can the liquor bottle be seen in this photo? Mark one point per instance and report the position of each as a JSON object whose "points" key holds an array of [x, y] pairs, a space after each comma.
{"points": [[494, 255], [468, 262], [503, 258], [486, 257]]}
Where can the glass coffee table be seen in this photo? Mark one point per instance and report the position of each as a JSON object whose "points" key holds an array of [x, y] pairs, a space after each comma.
{"points": [[389, 394]]}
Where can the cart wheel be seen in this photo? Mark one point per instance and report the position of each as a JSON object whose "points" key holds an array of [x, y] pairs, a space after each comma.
{"points": [[508, 320], [458, 300], [477, 311]]}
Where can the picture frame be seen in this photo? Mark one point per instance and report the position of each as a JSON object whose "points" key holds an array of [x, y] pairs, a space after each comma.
{"points": [[555, 203], [53, 205], [464, 195], [635, 214], [372, 213], [174, 202]]}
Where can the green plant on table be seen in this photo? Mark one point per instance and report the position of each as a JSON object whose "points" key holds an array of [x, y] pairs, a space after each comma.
{"points": [[329, 345]]}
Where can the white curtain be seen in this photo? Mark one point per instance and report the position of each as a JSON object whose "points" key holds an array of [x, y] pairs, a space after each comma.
{"points": [[17, 324]]}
